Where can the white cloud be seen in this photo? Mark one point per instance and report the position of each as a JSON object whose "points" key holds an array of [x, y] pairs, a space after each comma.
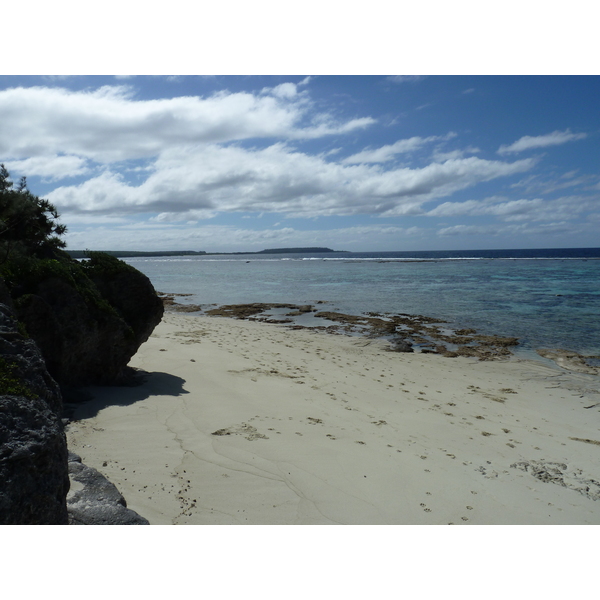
{"points": [[540, 231], [75, 220], [276, 179], [285, 90], [108, 124], [388, 152], [508, 209], [51, 168], [468, 230], [536, 209], [541, 141], [538, 184], [101, 193], [190, 216], [439, 156]]}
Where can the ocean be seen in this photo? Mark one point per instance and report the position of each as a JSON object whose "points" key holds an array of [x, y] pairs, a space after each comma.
{"points": [[548, 298]]}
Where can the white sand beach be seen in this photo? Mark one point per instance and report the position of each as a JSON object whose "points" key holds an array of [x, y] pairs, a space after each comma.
{"points": [[241, 422]]}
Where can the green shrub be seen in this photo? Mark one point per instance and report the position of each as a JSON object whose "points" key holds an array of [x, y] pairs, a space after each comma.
{"points": [[28, 224], [105, 265]]}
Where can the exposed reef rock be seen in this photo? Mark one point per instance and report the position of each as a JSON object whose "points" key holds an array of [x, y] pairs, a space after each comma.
{"points": [[570, 360], [93, 500], [405, 332], [401, 345], [33, 448], [243, 311]]}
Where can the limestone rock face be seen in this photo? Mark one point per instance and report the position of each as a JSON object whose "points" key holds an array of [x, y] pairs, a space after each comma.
{"points": [[33, 449], [93, 500]]}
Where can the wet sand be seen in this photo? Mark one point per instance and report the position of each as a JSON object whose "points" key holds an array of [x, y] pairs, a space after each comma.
{"points": [[242, 422]]}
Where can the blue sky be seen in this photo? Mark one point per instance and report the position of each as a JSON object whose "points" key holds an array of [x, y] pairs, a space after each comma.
{"points": [[360, 163]]}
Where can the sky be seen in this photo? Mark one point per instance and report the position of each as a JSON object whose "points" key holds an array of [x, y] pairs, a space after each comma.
{"points": [[359, 163]]}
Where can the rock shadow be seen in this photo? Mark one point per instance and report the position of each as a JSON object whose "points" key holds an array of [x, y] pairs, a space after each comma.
{"points": [[100, 397]]}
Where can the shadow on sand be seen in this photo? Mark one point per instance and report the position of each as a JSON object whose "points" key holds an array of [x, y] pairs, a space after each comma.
{"points": [[151, 384]]}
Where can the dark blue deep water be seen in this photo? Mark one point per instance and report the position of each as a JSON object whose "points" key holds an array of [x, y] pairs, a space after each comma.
{"points": [[547, 298]]}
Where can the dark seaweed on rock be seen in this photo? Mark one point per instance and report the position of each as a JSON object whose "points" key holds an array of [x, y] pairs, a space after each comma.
{"points": [[243, 311]]}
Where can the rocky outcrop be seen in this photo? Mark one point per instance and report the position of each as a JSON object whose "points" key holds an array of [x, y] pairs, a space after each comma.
{"points": [[74, 324], [130, 293], [33, 448], [41, 483], [88, 321], [93, 500], [82, 343]]}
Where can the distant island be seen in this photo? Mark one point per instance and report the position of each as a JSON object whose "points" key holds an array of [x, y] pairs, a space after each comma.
{"points": [[135, 253], [296, 251]]}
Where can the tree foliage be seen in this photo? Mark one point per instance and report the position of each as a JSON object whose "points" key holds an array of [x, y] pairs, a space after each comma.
{"points": [[28, 225]]}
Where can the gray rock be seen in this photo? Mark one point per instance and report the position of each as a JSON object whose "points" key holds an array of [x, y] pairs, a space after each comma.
{"points": [[94, 500], [33, 450], [401, 345]]}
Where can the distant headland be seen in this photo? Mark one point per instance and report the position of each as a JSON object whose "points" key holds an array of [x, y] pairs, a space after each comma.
{"points": [[134, 253]]}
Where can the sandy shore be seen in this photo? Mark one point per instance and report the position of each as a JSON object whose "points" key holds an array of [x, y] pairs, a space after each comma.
{"points": [[250, 423]]}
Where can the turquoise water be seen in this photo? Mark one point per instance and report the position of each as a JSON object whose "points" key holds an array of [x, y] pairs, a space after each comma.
{"points": [[545, 302]]}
